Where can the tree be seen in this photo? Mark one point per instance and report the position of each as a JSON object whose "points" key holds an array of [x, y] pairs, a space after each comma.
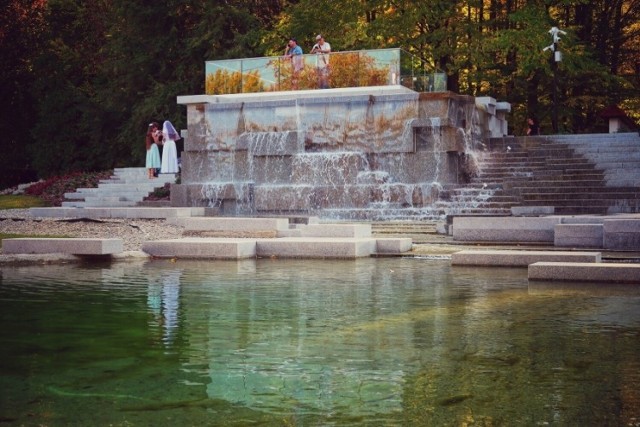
{"points": [[21, 24]]}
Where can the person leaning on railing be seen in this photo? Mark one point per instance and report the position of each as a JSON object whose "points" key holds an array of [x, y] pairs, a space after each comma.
{"points": [[322, 49], [294, 52]]}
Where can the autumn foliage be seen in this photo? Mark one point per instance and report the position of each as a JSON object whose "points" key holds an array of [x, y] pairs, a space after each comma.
{"points": [[349, 69]]}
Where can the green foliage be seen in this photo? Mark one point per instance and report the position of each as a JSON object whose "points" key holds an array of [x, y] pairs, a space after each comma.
{"points": [[160, 193], [81, 79], [21, 24]]}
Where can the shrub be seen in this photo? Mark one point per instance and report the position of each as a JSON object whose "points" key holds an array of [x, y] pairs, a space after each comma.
{"points": [[52, 189], [160, 193]]}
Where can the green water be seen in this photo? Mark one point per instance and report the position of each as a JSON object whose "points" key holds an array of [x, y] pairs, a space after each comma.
{"points": [[376, 342]]}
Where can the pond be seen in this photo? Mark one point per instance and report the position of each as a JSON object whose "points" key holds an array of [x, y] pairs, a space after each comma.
{"points": [[392, 341]]}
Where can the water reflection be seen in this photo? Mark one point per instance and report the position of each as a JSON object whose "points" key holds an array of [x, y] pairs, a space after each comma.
{"points": [[386, 341], [163, 300]]}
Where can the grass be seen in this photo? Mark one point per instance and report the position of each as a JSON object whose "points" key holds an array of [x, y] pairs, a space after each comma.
{"points": [[49, 193], [21, 202]]}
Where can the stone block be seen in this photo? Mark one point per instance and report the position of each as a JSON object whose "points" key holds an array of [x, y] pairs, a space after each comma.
{"points": [[195, 247], [336, 230], [315, 247], [505, 229], [390, 245], [516, 258], [622, 234], [578, 235], [532, 210], [73, 246], [585, 272]]}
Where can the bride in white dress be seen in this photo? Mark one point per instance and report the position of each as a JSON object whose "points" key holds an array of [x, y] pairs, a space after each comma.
{"points": [[169, 151]]}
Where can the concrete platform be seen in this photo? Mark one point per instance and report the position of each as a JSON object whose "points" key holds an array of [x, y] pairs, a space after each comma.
{"points": [[199, 247], [121, 212], [315, 247], [505, 229], [516, 258], [232, 224], [585, 272], [336, 230], [72, 246]]}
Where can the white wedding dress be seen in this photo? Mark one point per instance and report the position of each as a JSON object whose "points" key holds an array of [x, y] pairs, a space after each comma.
{"points": [[169, 157], [169, 150]]}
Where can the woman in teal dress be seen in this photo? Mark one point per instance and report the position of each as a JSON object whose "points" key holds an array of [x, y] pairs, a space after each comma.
{"points": [[153, 154]]}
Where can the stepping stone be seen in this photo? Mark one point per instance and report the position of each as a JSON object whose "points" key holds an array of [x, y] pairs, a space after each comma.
{"points": [[585, 272], [315, 247], [514, 258], [201, 247], [72, 246]]}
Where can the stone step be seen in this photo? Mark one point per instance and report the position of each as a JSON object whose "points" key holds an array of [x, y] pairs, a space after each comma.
{"points": [[581, 210], [582, 195], [555, 189], [141, 177], [522, 184], [462, 198], [623, 182]]}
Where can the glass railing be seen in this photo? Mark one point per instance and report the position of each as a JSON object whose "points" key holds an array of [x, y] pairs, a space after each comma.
{"points": [[381, 67]]}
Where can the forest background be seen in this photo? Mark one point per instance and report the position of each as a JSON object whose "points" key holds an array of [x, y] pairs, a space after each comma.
{"points": [[81, 79]]}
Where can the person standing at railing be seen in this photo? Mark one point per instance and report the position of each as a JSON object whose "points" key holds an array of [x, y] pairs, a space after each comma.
{"points": [[322, 49], [294, 53]]}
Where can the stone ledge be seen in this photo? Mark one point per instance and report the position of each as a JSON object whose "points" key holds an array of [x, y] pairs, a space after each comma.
{"points": [[515, 258], [72, 246], [585, 272]]}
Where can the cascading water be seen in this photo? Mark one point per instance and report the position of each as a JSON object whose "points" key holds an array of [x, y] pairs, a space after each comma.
{"points": [[350, 155]]}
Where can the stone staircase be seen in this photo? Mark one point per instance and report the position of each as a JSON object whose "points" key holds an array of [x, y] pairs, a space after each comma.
{"points": [[127, 187], [577, 174]]}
